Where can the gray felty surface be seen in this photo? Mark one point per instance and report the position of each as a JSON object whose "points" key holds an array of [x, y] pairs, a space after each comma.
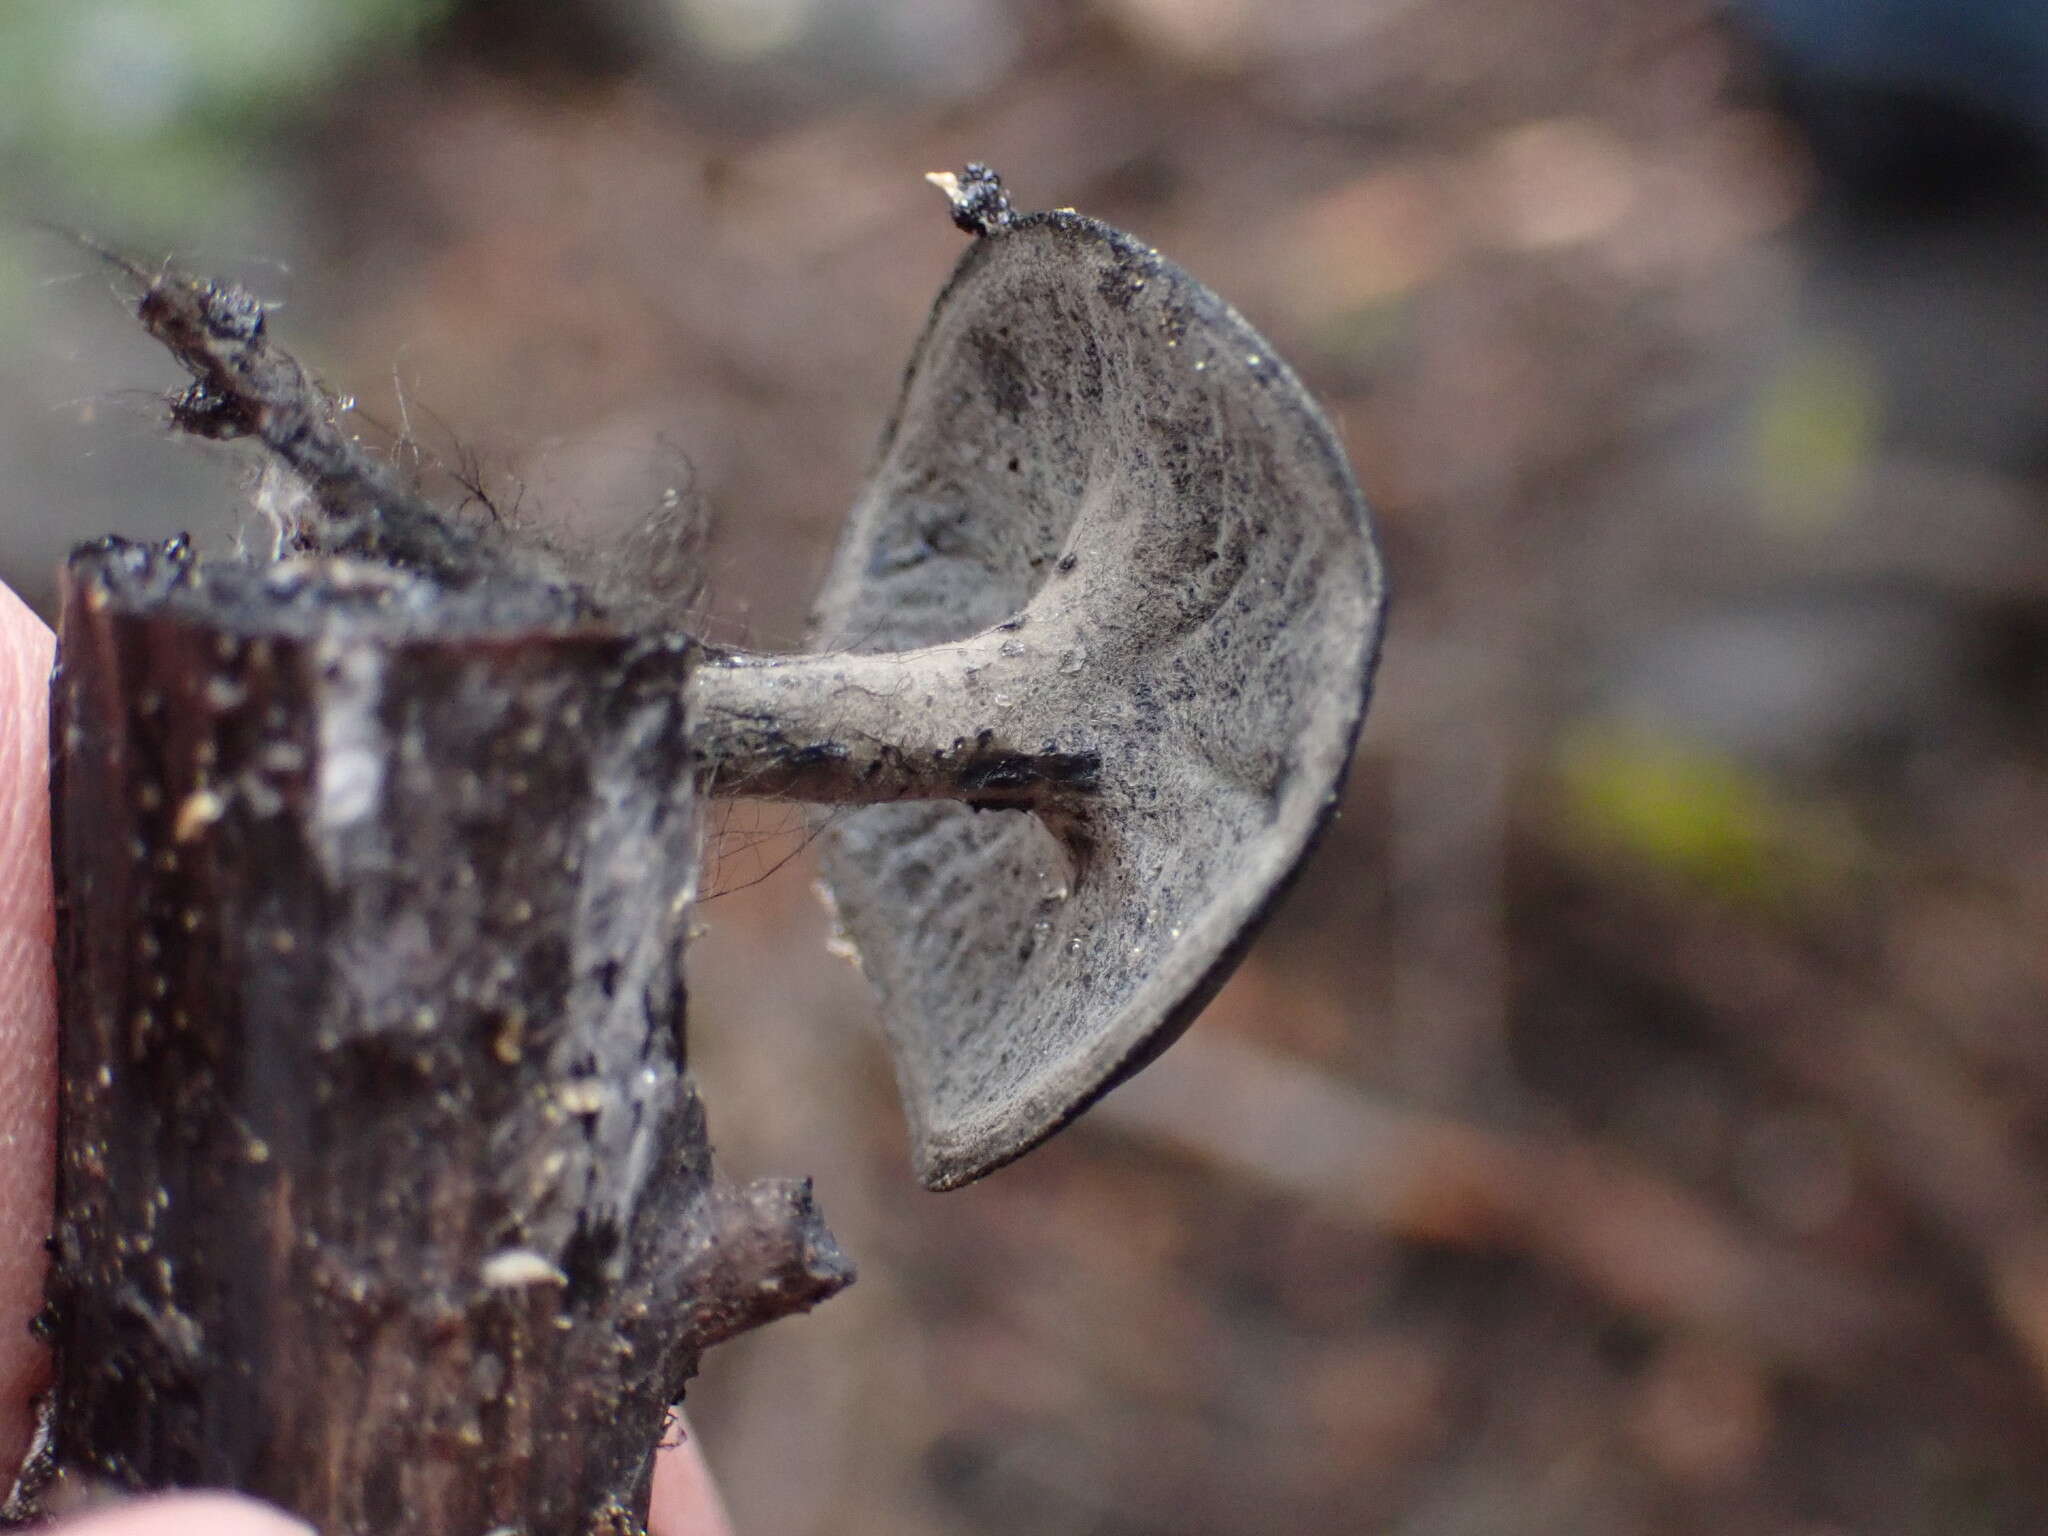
{"points": [[1094, 448]]}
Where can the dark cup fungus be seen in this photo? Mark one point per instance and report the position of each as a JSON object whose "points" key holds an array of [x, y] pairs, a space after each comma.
{"points": [[1111, 570]]}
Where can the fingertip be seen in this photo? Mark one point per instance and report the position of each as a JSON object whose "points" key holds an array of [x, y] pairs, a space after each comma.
{"points": [[28, 1016], [25, 636], [186, 1514], [686, 1501], [26, 650]]}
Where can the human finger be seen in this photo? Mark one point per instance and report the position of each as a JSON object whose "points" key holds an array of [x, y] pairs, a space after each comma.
{"points": [[185, 1514], [28, 1010], [686, 1501]]}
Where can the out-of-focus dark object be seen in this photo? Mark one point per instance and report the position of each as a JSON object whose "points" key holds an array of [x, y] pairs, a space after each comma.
{"points": [[751, 63], [1914, 105]]}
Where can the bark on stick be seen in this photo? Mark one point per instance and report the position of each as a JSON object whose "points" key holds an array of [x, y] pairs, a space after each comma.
{"points": [[382, 1192]]}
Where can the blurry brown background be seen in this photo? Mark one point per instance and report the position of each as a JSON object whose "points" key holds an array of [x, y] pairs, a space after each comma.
{"points": [[1634, 1120]]}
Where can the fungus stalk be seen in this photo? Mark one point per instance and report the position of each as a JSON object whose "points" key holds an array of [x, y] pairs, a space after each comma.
{"points": [[850, 729]]}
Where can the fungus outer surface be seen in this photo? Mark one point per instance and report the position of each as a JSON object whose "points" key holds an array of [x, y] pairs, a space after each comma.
{"points": [[1095, 458]]}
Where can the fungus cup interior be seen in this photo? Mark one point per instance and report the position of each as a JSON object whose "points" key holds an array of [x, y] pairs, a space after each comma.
{"points": [[1098, 458]]}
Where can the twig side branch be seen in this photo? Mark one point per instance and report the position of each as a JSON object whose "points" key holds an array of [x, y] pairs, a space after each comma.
{"points": [[246, 386]]}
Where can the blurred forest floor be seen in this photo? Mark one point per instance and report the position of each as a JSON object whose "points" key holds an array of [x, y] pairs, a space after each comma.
{"points": [[1634, 1120]]}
